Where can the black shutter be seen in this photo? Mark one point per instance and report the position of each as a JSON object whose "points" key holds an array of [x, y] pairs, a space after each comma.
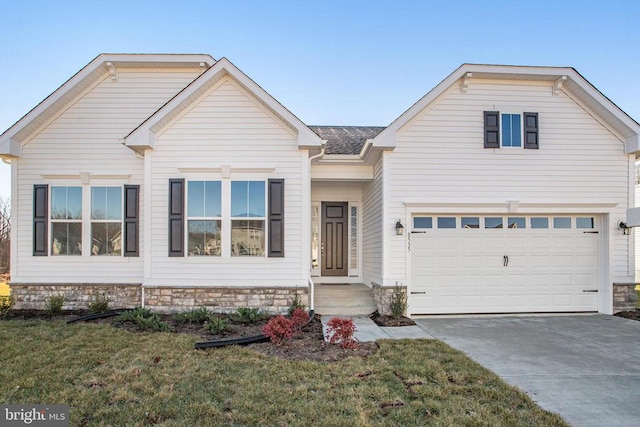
{"points": [[131, 221], [491, 129], [40, 219], [276, 218], [176, 217], [531, 131]]}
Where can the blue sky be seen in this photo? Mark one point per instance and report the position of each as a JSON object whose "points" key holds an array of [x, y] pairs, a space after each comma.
{"points": [[329, 62]]}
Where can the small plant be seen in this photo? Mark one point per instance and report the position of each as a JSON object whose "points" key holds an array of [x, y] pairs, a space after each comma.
{"points": [[54, 304], [279, 329], [6, 303], [340, 331], [216, 325], [144, 319], [195, 315], [398, 304], [300, 318], [295, 303], [99, 303], [248, 315]]}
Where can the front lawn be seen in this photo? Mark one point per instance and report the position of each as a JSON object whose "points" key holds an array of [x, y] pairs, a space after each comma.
{"points": [[111, 376]]}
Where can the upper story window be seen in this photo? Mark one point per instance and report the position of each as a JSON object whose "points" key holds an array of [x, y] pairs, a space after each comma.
{"points": [[66, 220], [204, 218], [510, 130]]}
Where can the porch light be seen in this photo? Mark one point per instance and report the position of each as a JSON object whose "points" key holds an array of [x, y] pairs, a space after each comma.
{"points": [[399, 228], [626, 230]]}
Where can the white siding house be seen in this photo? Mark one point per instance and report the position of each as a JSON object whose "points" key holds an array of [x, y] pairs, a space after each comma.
{"points": [[175, 181]]}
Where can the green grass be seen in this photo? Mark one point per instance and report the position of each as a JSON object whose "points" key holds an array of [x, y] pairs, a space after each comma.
{"points": [[115, 377]]}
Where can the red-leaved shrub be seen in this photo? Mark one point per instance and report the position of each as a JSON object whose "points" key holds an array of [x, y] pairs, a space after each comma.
{"points": [[340, 331], [279, 329], [300, 318]]}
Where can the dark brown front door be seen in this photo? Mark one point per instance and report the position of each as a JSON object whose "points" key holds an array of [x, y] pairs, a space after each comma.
{"points": [[334, 239]]}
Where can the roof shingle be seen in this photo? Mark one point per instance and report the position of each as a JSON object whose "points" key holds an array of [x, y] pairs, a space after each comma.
{"points": [[346, 139]]}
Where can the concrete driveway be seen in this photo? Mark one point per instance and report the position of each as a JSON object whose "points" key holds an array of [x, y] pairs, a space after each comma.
{"points": [[584, 368]]}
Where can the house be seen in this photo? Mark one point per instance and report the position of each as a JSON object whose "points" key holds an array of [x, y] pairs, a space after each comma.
{"points": [[176, 181]]}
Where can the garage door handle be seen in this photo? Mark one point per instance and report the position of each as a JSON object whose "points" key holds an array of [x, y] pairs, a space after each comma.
{"points": [[418, 293], [590, 290], [590, 232]]}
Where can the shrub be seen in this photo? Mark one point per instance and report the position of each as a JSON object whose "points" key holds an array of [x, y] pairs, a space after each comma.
{"points": [[216, 325], [294, 304], [99, 303], [340, 331], [398, 304], [6, 303], [54, 304], [195, 315], [300, 318], [279, 329], [144, 319], [248, 315]]}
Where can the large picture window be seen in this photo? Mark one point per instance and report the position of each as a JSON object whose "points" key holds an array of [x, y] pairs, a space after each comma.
{"points": [[248, 215], [204, 218], [106, 221], [66, 220]]}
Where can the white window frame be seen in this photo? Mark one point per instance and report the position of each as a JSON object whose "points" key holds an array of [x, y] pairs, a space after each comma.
{"points": [[83, 229], [105, 221], [203, 218], [230, 218], [521, 114]]}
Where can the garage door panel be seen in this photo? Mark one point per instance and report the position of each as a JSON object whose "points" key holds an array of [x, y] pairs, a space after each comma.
{"points": [[464, 271]]}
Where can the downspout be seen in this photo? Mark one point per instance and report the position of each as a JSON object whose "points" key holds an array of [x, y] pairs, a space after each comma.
{"points": [[311, 284]]}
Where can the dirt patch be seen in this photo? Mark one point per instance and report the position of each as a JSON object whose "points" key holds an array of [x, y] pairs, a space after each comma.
{"points": [[633, 315], [381, 320], [308, 345]]}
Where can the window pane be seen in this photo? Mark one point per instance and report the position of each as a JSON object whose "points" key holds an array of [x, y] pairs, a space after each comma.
{"points": [[511, 130], [106, 203], [66, 238], [195, 194], [561, 222], [493, 222], [539, 222], [470, 222], [114, 203], [506, 130], [247, 199], [517, 222], [204, 238], [106, 238], [213, 199], [585, 222], [66, 202], [422, 222], [446, 222], [247, 238]]}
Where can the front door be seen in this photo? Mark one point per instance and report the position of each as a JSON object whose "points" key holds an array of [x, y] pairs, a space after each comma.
{"points": [[334, 239]]}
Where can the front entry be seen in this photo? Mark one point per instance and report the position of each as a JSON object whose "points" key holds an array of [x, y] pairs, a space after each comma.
{"points": [[335, 236]]}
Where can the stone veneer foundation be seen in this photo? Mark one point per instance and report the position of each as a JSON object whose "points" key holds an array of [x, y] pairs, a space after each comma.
{"points": [[382, 297], [624, 296], [163, 299]]}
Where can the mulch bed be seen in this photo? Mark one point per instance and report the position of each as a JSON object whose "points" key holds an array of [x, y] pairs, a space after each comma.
{"points": [[309, 345], [381, 320], [633, 315]]}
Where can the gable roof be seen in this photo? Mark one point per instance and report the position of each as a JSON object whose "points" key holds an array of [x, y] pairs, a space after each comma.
{"points": [[564, 79], [90, 74], [346, 139], [144, 136]]}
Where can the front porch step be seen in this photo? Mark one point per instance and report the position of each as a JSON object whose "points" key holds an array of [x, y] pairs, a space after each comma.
{"points": [[346, 300]]}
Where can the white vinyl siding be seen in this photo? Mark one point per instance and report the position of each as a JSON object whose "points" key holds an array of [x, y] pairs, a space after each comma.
{"points": [[228, 129], [372, 241], [439, 159], [87, 137]]}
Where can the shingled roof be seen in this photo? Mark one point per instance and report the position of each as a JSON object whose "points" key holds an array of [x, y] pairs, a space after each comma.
{"points": [[346, 139]]}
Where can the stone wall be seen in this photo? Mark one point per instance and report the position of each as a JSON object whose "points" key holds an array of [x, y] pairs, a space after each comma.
{"points": [[382, 296], [222, 300], [158, 298], [77, 296], [624, 296]]}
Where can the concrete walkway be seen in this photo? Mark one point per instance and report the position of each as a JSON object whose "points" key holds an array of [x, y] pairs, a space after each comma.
{"points": [[584, 368], [367, 330]]}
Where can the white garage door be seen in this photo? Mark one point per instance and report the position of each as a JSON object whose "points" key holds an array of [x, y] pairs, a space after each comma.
{"points": [[504, 264]]}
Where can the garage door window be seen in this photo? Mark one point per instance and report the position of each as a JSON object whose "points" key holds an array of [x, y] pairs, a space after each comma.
{"points": [[517, 222], [585, 222], [446, 222], [539, 222], [493, 222], [470, 222], [561, 222], [422, 222]]}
